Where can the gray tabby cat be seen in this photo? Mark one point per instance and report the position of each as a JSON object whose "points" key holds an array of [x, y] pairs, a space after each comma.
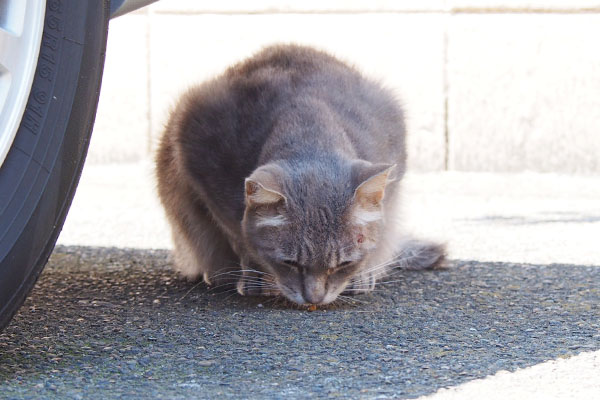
{"points": [[282, 176]]}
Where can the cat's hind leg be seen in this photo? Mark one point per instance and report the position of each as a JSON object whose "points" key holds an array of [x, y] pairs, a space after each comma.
{"points": [[416, 254], [410, 254], [204, 255], [201, 249]]}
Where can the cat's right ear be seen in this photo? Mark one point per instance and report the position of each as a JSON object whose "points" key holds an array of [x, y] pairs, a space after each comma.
{"points": [[258, 195], [263, 186]]}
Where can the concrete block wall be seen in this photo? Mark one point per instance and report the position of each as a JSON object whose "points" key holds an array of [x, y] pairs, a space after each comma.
{"points": [[488, 85]]}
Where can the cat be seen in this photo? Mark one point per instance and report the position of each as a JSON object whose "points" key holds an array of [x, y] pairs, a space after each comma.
{"points": [[281, 176]]}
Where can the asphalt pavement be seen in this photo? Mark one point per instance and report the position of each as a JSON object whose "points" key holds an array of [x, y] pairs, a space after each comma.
{"points": [[514, 316]]}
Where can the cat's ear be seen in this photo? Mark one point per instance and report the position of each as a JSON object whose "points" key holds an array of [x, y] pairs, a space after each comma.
{"points": [[262, 187], [375, 177], [258, 195]]}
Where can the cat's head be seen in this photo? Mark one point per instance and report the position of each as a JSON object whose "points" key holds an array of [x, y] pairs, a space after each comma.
{"points": [[313, 225]]}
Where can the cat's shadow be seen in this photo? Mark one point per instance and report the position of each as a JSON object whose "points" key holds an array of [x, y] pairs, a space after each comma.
{"points": [[122, 314]]}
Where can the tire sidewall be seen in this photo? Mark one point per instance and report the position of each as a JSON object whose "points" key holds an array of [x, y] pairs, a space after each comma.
{"points": [[42, 168]]}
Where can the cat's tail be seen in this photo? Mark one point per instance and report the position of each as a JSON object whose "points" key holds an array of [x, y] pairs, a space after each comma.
{"points": [[416, 254]]}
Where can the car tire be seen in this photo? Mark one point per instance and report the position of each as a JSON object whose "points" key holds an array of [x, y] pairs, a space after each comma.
{"points": [[39, 176]]}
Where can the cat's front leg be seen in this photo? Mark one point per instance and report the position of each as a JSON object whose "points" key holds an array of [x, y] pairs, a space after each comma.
{"points": [[254, 282], [361, 283]]}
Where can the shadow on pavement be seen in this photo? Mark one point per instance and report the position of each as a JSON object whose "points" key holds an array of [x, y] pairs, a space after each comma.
{"points": [[107, 323]]}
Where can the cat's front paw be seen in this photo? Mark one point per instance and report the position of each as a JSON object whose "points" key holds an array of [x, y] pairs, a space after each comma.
{"points": [[254, 284]]}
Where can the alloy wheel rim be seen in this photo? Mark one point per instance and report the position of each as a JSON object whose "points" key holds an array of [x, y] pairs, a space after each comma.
{"points": [[21, 27]]}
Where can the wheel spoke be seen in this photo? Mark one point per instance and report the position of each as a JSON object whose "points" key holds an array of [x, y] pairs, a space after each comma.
{"points": [[21, 26], [10, 50]]}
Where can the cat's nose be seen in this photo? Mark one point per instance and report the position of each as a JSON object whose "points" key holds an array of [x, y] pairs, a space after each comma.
{"points": [[314, 298], [314, 289]]}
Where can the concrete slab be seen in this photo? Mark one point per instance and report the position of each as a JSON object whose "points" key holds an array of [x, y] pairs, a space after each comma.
{"points": [[523, 93], [122, 124], [117, 205], [525, 217], [570, 378], [381, 45], [478, 96]]}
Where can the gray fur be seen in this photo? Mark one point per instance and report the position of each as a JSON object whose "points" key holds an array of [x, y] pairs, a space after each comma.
{"points": [[282, 175]]}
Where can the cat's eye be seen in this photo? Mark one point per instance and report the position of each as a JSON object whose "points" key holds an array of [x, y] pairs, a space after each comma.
{"points": [[340, 267]]}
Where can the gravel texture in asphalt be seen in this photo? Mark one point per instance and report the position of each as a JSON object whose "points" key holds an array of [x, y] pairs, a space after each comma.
{"points": [[108, 323]]}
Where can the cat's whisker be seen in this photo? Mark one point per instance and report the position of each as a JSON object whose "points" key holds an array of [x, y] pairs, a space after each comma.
{"points": [[352, 300], [222, 285], [249, 279], [396, 273], [219, 288], [261, 283], [244, 269], [255, 271], [272, 299], [231, 295], [232, 290], [235, 289], [259, 287], [255, 279], [378, 267], [384, 267], [191, 289], [384, 264], [341, 299], [392, 281], [236, 278], [225, 275], [240, 273], [235, 282], [251, 285], [345, 299], [347, 247], [359, 290], [357, 284]]}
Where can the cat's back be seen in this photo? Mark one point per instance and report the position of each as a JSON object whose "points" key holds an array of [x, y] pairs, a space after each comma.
{"points": [[240, 106], [219, 129], [299, 63], [369, 113]]}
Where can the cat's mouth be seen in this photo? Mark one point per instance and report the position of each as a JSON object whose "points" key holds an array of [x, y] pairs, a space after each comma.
{"points": [[298, 298]]}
